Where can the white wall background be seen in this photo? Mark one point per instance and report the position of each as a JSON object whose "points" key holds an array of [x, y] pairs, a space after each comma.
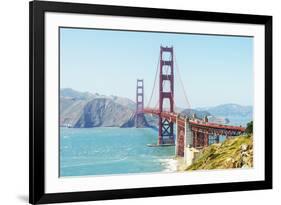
{"points": [[14, 100]]}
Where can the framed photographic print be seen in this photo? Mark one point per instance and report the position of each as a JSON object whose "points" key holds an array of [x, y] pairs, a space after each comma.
{"points": [[139, 102]]}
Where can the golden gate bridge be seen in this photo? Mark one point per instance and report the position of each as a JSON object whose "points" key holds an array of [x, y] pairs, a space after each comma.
{"points": [[190, 130]]}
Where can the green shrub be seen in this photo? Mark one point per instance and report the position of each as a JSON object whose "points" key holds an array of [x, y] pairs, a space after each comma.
{"points": [[249, 128]]}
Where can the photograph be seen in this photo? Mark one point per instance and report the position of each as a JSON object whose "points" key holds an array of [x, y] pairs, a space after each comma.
{"points": [[136, 102], [132, 102]]}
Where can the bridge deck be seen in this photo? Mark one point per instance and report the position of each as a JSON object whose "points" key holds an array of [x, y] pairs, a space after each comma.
{"points": [[176, 117]]}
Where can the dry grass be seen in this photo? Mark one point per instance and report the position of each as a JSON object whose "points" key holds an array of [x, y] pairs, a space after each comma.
{"points": [[228, 154]]}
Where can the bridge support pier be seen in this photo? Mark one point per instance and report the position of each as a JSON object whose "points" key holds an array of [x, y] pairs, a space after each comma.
{"points": [[184, 137], [180, 144], [195, 139], [188, 134], [206, 139]]}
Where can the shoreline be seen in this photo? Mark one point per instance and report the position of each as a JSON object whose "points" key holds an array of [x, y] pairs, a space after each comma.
{"points": [[175, 164], [170, 164]]}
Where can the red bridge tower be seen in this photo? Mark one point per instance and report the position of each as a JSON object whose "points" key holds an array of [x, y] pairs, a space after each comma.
{"points": [[166, 133], [139, 103]]}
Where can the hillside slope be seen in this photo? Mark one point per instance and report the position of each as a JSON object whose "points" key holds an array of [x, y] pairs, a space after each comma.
{"points": [[232, 153], [84, 110]]}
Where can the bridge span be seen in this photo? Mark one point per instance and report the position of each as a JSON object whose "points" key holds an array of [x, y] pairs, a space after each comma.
{"points": [[194, 132], [190, 131]]}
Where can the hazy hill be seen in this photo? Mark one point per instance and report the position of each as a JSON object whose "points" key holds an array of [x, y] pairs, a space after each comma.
{"points": [[83, 109], [234, 113], [230, 110], [70, 93]]}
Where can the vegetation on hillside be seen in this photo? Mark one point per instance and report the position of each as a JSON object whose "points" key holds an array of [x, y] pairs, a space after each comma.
{"points": [[232, 153], [249, 128]]}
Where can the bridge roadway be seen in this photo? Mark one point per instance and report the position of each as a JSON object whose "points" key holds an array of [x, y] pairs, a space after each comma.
{"points": [[193, 132], [193, 122]]}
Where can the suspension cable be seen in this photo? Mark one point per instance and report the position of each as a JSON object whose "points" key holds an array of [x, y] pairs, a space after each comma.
{"points": [[184, 91], [155, 78]]}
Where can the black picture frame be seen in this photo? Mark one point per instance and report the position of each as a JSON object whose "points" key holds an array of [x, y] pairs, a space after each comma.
{"points": [[37, 10]]}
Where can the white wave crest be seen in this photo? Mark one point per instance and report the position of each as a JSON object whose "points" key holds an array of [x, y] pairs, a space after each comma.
{"points": [[169, 164]]}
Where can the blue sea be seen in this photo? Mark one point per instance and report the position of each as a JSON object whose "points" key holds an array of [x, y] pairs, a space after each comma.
{"points": [[103, 151]]}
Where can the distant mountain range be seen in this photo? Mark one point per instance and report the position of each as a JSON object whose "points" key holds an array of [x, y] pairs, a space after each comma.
{"points": [[234, 113], [229, 110], [84, 109]]}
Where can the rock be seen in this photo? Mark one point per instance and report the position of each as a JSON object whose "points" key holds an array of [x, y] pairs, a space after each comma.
{"points": [[132, 120], [244, 147], [246, 156], [103, 112], [245, 166]]}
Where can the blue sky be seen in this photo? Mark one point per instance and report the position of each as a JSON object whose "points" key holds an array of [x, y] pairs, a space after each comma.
{"points": [[214, 69]]}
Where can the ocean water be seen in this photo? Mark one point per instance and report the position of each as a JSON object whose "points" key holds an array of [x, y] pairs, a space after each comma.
{"points": [[103, 151]]}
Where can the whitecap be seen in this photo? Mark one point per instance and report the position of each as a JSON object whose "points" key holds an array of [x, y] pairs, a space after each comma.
{"points": [[169, 164]]}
